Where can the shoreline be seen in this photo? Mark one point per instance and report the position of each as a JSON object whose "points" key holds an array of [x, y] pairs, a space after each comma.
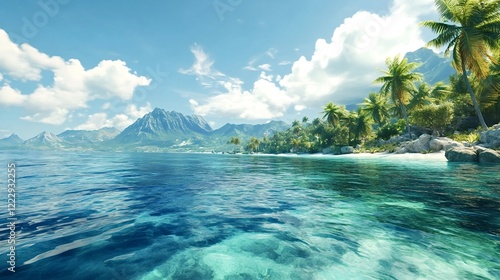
{"points": [[438, 156]]}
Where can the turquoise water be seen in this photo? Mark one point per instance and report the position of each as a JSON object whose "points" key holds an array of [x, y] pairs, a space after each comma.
{"points": [[203, 216]]}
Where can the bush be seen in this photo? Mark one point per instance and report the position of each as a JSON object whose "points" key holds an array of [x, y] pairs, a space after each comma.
{"points": [[392, 129], [436, 117]]}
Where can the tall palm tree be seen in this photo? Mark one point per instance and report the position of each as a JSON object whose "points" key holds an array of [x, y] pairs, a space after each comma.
{"points": [[375, 105], [398, 83], [334, 113], [470, 31]]}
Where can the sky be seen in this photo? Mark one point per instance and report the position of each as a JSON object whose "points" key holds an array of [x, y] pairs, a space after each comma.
{"points": [[75, 64]]}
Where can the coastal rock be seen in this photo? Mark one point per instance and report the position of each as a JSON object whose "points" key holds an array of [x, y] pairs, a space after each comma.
{"points": [[422, 143], [489, 156], [461, 154], [401, 150], [327, 151], [491, 138], [436, 145], [396, 140], [418, 146], [347, 150]]}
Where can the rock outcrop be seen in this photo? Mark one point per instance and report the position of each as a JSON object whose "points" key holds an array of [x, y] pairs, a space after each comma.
{"points": [[472, 154], [489, 156], [461, 154], [491, 138], [347, 150]]}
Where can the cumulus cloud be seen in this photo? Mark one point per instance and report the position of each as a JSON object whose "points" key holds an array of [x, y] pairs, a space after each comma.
{"points": [[118, 121], [72, 88], [10, 96], [266, 100], [341, 69]]}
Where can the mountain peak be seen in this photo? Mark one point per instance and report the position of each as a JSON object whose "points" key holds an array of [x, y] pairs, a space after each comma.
{"points": [[12, 140], [161, 125]]}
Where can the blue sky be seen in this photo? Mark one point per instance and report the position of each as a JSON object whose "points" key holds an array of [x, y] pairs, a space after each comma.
{"points": [[73, 64]]}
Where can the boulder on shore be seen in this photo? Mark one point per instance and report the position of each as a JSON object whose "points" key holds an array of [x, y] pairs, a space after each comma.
{"points": [[489, 156], [461, 154], [347, 150], [491, 138]]}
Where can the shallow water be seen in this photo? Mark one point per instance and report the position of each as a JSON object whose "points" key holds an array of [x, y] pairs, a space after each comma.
{"points": [[203, 216]]}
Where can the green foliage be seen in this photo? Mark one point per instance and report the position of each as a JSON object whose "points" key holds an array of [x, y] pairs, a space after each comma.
{"points": [[391, 129], [436, 117], [376, 106], [469, 137], [234, 140], [374, 146], [471, 33], [253, 145], [399, 82]]}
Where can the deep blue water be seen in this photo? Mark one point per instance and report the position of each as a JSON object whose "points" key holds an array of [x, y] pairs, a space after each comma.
{"points": [[203, 216]]}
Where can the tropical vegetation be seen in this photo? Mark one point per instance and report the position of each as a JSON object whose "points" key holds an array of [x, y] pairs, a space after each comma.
{"points": [[406, 105]]}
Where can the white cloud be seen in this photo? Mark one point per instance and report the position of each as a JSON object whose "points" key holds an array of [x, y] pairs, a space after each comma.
{"points": [[250, 68], [265, 67], [72, 88], [10, 96], [299, 108], [265, 101], [341, 69], [284, 63], [111, 79], [271, 52], [203, 69], [118, 121]]}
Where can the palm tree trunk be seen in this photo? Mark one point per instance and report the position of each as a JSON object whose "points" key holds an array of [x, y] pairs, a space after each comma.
{"points": [[473, 97], [405, 116]]}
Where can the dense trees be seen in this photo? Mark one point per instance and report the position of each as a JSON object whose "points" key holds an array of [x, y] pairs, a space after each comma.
{"points": [[471, 32]]}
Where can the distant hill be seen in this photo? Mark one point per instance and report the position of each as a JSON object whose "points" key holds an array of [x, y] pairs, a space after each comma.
{"points": [[85, 137], [245, 131], [435, 67], [12, 141], [44, 140]]}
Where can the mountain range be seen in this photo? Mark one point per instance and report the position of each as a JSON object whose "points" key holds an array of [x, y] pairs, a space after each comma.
{"points": [[162, 130], [158, 130]]}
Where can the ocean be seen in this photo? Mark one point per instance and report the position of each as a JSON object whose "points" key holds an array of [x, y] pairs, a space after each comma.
{"points": [[97, 215]]}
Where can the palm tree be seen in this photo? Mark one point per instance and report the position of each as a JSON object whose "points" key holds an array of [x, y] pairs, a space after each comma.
{"points": [[470, 31], [362, 125], [334, 113], [440, 92], [305, 120], [375, 105], [253, 145], [421, 97], [398, 82]]}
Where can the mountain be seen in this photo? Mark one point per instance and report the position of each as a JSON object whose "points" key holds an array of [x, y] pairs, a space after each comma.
{"points": [[44, 140], [12, 141], [165, 128], [435, 67], [85, 137], [245, 131]]}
